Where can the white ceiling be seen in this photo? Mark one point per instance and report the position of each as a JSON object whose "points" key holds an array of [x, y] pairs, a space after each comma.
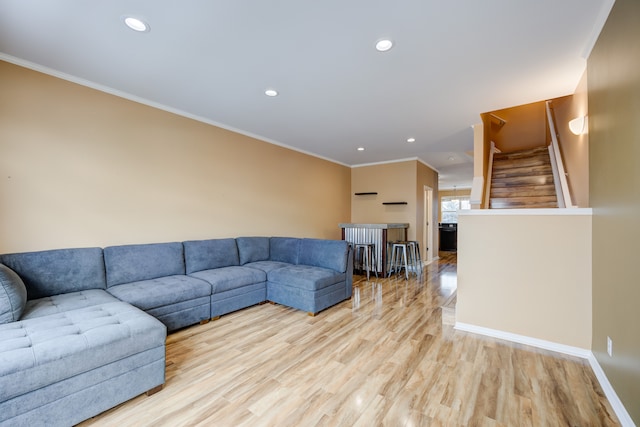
{"points": [[213, 59]]}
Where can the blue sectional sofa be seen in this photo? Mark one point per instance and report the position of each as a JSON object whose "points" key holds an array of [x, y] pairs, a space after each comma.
{"points": [[83, 330]]}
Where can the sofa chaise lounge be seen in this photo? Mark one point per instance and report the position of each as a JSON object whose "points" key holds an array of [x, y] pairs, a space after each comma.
{"points": [[83, 330]]}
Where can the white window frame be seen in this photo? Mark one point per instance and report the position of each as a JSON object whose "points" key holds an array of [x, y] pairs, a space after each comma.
{"points": [[464, 202]]}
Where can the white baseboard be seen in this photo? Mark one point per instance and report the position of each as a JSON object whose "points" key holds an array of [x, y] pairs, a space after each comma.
{"points": [[521, 339], [612, 396], [616, 404]]}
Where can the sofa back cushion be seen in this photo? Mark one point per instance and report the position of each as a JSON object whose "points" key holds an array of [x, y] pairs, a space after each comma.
{"points": [[131, 263], [284, 249], [207, 254], [13, 295], [58, 271], [253, 249], [324, 253]]}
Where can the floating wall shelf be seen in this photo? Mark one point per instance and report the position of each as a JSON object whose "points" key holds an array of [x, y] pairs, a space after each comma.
{"points": [[394, 203], [365, 194]]}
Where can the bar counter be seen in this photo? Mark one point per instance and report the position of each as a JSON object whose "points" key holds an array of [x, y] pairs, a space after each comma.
{"points": [[378, 234]]}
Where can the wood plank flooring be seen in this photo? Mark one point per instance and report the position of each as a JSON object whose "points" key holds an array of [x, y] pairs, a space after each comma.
{"points": [[383, 358]]}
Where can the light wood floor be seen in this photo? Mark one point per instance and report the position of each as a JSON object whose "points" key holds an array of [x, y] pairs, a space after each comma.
{"points": [[383, 358]]}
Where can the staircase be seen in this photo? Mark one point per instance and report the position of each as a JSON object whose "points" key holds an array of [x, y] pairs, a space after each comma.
{"points": [[522, 179]]}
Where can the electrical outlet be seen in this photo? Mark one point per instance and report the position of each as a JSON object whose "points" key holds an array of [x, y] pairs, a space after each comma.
{"points": [[610, 346]]}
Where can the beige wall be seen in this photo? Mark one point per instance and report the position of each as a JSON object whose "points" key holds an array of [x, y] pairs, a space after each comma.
{"points": [[394, 182], [541, 289], [574, 148], [83, 168], [614, 153], [525, 128]]}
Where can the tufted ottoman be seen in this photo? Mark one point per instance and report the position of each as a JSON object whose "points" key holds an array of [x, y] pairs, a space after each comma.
{"points": [[62, 368]]}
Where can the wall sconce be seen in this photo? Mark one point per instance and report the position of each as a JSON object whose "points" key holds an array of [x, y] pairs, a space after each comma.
{"points": [[579, 125]]}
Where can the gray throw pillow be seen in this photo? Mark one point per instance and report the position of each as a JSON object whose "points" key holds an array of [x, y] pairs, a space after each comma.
{"points": [[13, 295]]}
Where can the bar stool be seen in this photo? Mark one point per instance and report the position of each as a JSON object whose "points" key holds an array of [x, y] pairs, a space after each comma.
{"points": [[415, 256], [368, 257], [405, 254], [398, 258]]}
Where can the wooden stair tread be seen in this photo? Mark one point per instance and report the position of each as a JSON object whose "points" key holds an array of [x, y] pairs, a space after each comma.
{"points": [[527, 171], [524, 202], [530, 206], [522, 153], [521, 163], [523, 179], [524, 191]]}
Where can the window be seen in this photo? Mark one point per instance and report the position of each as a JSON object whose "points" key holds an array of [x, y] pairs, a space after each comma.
{"points": [[450, 206]]}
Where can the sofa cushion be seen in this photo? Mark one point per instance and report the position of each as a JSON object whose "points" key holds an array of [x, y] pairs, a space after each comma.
{"points": [[252, 249], [207, 254], [226, 278], [133, 263], [13, 295], [284, 249], [305, 277], [161, 291], [65, 302], [36, 353], [330, 254], [58, 271], [267, 266]]}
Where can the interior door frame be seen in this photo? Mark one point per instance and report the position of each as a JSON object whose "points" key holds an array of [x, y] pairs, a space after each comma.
{"points": [[428, 237]]}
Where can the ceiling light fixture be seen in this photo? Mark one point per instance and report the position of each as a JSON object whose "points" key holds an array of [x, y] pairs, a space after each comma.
{"points": [[136, 24], [360, 148], [271, 92], [384, 45], [578, 126], [411, 140]]}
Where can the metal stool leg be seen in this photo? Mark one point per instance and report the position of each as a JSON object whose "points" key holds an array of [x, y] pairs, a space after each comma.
{"points": [[413, 260], [404, 256], [420, 264], [365, 260], [368, 260], [392, 260], [374, 258]]}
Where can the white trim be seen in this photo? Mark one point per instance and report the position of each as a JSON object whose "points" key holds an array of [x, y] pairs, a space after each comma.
{"points": [[612, 397], [427, 165], [386, 162], [527, 212], [614, 400], [143, 101], [522, 339], [455, 187], [428, 231]]}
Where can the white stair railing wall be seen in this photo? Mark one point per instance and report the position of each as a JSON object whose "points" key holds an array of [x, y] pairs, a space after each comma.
{"points": [[559, 176]]}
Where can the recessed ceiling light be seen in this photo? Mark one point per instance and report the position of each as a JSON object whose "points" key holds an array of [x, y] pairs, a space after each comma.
{"points": [[271, 92], [451, 158], [384, 45], [411, 139], [360, 148], [136, 24]]}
